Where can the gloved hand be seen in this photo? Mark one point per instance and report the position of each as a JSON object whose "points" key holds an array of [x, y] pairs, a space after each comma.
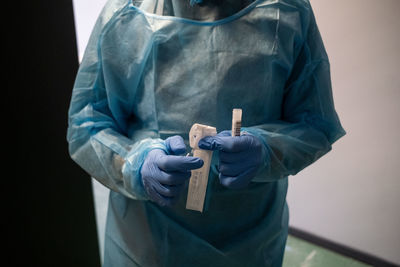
{"points": [[164, 176], [240, 157]]}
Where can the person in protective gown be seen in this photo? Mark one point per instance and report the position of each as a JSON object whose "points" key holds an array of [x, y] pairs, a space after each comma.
{"points": [[150, 71]]}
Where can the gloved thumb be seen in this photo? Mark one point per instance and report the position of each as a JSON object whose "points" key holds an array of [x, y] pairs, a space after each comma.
{"points": [[227, 143], [175, 145]]}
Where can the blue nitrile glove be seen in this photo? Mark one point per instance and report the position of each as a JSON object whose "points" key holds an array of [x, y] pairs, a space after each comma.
{"points": [[240, 157], [164, 176]]}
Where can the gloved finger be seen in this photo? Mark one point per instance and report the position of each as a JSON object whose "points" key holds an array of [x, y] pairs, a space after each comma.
{"points": [[152, 192], [226, 143], [175, 145], [225, 133], [212, 142], [152, 187], [173, 178], [169, 190], [235, 157], [165, 201], [239, 181], [233, 169], [169, 163]]}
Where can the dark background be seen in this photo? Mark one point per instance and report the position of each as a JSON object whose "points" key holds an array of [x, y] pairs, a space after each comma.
{"points": [[48, 211]]}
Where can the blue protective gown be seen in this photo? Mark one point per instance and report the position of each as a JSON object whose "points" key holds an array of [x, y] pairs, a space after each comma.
{"points": [[145, 77]]}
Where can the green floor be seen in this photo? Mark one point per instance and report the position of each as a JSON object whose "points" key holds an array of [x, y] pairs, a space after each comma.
{"points": [[299, 253]]}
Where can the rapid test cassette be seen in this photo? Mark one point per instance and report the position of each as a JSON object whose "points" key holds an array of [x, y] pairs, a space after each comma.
{"points": [[199, 179]]}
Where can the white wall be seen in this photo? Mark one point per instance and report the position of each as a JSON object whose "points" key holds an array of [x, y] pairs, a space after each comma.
{"points": [[351, 195], [86, 12]]}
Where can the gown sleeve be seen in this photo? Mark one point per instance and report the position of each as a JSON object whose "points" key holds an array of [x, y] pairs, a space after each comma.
{"points": [[309, 124], [96, 137]]}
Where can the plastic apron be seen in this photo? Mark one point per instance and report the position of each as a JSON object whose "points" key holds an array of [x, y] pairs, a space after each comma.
{"points": [[146, 76]]}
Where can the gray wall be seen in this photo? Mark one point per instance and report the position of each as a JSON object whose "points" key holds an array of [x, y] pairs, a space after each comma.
{"points": [[351, 195]]}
